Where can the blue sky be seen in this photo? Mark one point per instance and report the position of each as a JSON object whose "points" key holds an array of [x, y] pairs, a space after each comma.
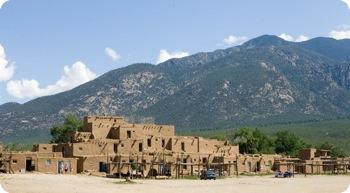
{"points": [[52, 46]]}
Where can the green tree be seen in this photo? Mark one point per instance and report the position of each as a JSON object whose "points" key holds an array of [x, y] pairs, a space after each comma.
{"points": [[59, 131], [251, 141], [288, 143], [245, 140], [264, 144], [335, 151]]}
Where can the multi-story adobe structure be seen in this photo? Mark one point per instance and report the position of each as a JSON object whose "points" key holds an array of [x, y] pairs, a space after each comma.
{"points": [[112, 145], [314, 161]]}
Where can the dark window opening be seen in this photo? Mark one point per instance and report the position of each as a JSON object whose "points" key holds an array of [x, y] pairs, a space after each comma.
{"points": [[184, 166], [140, 147], [149, 142], [129, 134], [115, 148], [204, 160], [163, 143], [183, 146]]}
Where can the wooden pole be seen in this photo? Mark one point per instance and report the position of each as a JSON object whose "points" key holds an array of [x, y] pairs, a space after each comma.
{"points": [[237, 172], [199, 167], [229, 169], [119, 172], [177, 170]]}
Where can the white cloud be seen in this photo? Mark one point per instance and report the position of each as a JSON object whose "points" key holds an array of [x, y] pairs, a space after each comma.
{"points": [[6, 70], [290, 38], [73, 76], [340, 34], [286, 37], [164, 55], [112, 54], [2, 2], [347, 2], [234, 40], [301, 38]]}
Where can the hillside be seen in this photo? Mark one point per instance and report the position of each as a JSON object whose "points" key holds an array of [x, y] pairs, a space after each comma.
{"points": [[265, 81]]}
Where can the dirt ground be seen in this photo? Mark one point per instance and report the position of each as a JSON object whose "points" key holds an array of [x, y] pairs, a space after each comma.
{"points": [[45, 183]]}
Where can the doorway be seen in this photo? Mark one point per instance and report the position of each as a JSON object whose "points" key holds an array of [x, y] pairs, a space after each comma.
{"points": [[103, 167], [60, 167], [258, 166], [29, 165]]}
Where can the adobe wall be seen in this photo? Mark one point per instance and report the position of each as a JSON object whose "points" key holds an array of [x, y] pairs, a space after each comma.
{"points": [[156, 130], [18, 160], [256, 163], [313, 167], [100, 126], [44, 148], [92, 163], [307, 154], [57, 165], [76, 136], [185, 144], [92, 148]]}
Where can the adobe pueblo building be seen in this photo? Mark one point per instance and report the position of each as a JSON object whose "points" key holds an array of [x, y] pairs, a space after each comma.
{"points": [[113, 146], [116, 147]]}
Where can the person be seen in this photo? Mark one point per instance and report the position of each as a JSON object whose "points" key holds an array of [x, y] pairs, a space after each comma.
{"points": [[60, 167], [65, 167]]}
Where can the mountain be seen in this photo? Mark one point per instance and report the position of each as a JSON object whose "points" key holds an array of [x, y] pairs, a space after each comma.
{"points": [[8, 106], [265, 81]]}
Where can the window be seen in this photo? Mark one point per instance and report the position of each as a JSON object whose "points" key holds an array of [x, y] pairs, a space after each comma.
{"points": [[183, 146], [128, 134], [45, 148], [80, 148], [163, 142], [184, 166], [14, 161], [115, 147], [204, 160], [122, 145], [140, 147], [48, 162], [149, 142]]}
